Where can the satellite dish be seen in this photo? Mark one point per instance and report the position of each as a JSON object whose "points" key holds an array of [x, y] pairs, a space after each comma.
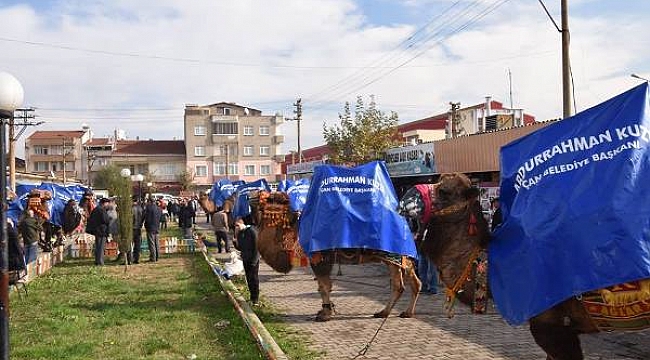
{"points": [[246, 111], [52, 174], [85, 127]]}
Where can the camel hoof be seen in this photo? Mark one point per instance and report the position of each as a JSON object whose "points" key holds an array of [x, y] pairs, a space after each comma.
{"points": [[380, 314], [322, 317], [406, 315]]}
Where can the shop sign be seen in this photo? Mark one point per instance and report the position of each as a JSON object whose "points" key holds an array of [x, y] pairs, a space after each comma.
{"points": [[303, 167], [411, 160]]}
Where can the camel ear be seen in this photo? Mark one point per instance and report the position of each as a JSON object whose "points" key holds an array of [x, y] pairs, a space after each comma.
{"points": [[472, 192]]}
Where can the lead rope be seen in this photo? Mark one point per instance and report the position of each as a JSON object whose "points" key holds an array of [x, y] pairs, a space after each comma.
{"points": [[451, 292], [365, 349]]}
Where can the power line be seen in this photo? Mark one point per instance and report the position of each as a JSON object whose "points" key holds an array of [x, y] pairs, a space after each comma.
{"points": [[549, 16], [383, 57], [487, 10]]}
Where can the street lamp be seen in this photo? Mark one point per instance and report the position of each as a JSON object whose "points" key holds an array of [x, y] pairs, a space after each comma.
{"points": [[139, 178], [149, 185], [11, 98]]}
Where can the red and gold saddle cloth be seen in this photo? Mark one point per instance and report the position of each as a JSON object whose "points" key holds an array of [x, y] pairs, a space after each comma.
{"points": [[620, 307]]}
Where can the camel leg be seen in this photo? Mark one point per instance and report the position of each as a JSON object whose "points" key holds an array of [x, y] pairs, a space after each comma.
{"points": [[559, 342], [322, 272], [416, 285], [396, 289]]}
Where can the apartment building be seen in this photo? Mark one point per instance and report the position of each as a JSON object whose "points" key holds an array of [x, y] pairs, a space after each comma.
{"points": [[226, 140], [58, 154]]}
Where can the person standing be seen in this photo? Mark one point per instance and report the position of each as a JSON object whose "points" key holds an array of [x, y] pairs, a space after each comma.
{"points": [[30, 227], [194, 204], [497, 216], [185, 219], [220, 227], [138, 221], [152, 215], [98, 226], [163, 215], [247, 244]]}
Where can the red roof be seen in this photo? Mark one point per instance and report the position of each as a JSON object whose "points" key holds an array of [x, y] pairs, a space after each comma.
{"points": [[150, 147], [99, 142], [42, 134]]}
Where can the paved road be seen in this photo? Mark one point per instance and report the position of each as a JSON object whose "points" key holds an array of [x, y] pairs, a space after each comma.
{"points": [[362, 290]]}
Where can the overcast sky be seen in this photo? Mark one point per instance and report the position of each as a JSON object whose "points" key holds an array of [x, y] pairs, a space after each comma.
{"points": [[133, 65]]}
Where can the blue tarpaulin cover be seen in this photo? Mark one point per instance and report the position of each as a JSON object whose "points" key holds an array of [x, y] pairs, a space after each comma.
{"points": [[242, 207], [576, 206], [283, 185], [353, 208], [60, 197], [297, 193], [223, 189]]}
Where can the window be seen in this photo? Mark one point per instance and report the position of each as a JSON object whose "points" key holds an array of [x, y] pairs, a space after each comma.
{"points": [[199, 130], [69, 166], [224, 128], [41, 166], [226, 111], [248, 150], [41, 150], [219, 168], [265, 169], [264, 150], [264, 130], [199, 151], [249, 170], [248, 130], [56, 150], [168, 169], [201, 170], [56, 165]]}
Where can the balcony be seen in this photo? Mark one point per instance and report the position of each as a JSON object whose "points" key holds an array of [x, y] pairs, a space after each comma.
{"points": [[224, 118], [278, 139], [277, 120]]}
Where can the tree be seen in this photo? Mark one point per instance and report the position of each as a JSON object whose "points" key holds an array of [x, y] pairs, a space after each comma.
{"points": [[186, 179], [361, 138]]}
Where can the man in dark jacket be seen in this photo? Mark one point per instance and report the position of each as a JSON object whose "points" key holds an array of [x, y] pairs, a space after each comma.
{"points": [[152, 214], [98, 226], [186, 219], [497, 216], [30, 228], [247, 244], [138, 221]]}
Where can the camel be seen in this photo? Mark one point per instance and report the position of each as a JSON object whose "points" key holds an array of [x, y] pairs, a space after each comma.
{"points": [[278, 245], [210, 207], [456, 239]]}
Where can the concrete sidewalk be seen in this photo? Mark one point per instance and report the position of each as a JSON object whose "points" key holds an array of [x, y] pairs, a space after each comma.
{"points": [[362, 290]]}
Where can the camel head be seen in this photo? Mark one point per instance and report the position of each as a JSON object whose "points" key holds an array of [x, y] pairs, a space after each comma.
{"points": [[453, 189], [206, 203]]}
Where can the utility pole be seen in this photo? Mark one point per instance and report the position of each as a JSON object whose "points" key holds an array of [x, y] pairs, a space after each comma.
{"points": [[23, 117], [298, 118], [454, 126], [63, 155], [566, 62]]}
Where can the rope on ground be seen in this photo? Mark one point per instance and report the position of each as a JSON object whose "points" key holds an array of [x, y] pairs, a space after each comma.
{"points": [[365, 349]]}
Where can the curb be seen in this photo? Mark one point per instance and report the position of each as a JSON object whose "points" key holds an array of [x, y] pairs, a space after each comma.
{"points": [[263, 338]]}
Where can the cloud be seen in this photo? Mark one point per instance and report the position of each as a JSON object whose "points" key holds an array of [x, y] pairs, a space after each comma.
{"points": [[164, 54]]}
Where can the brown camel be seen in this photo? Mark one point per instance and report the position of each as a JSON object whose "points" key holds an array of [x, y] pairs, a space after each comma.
{"points": [[278, 245], [457, 232]]}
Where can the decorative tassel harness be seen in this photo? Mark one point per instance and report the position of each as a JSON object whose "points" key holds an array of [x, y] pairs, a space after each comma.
{"points": [[477, 260]]}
